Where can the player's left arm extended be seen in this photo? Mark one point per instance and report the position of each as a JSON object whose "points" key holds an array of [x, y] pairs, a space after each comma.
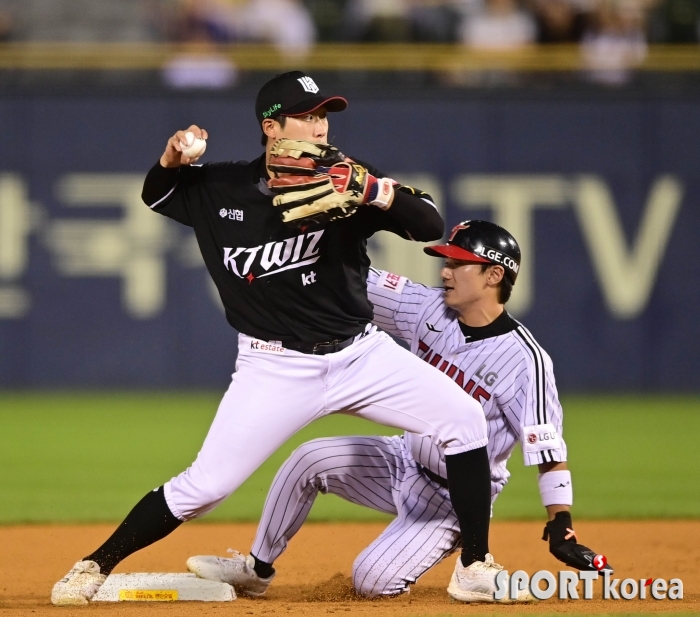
{"points": [[412, 212], [317, 182], [416, 214], [557, 497]]}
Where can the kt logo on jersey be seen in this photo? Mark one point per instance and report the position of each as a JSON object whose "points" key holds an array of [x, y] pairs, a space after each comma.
{"points": [[274, 257]]}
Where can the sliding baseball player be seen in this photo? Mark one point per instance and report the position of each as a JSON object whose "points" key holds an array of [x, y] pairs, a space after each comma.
{"points": [[464, 331]]}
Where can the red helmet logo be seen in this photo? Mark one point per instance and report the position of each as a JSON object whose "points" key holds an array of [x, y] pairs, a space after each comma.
{"points": [[455, 229]]}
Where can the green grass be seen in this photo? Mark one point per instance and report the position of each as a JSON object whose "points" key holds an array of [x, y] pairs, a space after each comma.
{"points": [[630, 456], [90, 457]]}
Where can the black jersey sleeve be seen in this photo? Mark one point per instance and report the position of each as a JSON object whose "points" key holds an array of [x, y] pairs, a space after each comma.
{"points": [[164, 189], [415, 213], [412, 214]]}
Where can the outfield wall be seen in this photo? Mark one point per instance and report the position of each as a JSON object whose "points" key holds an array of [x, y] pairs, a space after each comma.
{"points": [[97, 291]]}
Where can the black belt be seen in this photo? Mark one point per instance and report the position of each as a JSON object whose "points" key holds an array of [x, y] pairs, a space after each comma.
{"points": [[434, 477], [319, 349]]}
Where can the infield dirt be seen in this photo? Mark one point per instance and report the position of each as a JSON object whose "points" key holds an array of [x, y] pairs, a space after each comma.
{"points": [[314, 574]]}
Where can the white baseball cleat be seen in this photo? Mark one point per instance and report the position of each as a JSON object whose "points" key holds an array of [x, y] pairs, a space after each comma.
{"points": [[477, 582], [78, 586], [236, 570]]}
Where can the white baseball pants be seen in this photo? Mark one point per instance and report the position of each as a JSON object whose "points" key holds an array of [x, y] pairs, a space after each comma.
{"points": [[377, 472], [273, 395]]}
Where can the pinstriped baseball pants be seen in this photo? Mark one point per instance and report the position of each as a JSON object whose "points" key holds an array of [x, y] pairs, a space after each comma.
{"points": [[377, 472]]}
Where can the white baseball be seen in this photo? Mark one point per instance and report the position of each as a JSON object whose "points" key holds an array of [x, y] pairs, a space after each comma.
{"points": [[194, 147]]}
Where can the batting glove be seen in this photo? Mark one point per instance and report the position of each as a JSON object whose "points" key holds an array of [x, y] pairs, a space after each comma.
{"points": [[563, 545]]}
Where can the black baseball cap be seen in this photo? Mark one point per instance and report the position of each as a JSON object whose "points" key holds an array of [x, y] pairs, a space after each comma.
{"points": [[483, 242], [293, 94]]}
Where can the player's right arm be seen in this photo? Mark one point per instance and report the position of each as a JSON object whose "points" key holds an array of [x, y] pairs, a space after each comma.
{"points": [[535, 403], [163, 183], [173, 157], [397, 302], [554, 508], [555, 482]]}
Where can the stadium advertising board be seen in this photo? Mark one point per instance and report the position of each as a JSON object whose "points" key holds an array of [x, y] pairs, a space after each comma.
{"points": [[96, 290]]}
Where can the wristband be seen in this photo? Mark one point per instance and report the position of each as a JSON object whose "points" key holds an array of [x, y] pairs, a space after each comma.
{"points": [[555, 488], [381, 193]]}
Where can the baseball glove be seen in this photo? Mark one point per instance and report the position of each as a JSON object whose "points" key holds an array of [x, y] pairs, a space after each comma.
{"points": [[318, 183], [296, 157], [305, 191], [563, 545], [305, 199]]}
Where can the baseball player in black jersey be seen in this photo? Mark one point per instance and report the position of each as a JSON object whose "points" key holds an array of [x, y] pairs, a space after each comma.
{"points": [[464, 331], [284, 239]]}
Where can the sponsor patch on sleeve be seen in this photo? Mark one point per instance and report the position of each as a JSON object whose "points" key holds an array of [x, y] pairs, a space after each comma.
{"points": [[391, 282], [540, 437]]}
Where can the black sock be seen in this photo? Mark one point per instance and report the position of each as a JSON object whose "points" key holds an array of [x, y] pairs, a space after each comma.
{"points": [[469, 479], [149, 521], [262, 568]]}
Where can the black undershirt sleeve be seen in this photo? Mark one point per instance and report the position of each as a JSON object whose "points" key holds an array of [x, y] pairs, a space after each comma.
{"points": [[416, 216], [409, 213], [158, 183]]}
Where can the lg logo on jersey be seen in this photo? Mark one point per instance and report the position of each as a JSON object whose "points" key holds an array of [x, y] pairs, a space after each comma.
{"points": [[489, 378], [534, 438], [539, 437], [457, 375]]}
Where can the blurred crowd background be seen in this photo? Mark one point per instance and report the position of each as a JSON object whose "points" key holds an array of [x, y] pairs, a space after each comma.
{"points": [[611, 36], [499, 24]]}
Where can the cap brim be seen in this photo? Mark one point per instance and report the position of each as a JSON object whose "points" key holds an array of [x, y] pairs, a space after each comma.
{"points": [[456, 252], [331, 103]]}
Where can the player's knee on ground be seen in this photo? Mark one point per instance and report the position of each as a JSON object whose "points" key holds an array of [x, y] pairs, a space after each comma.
{"points": [[370, 581]]}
